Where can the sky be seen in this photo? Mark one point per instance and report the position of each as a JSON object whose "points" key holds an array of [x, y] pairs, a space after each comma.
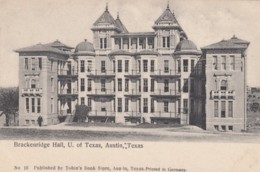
{"points": [[29, 22]]}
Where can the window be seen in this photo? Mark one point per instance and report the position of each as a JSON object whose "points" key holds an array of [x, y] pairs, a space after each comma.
{"points": [[126, 65], [82, 66], [145, 63], [191, 85], [185, 85], [34, 64], [89, 84], [145, 108], [103, 105], [27, 122], [52, 65], [152, 65], [166, 85], [150, 43], [185, 65], [119, 108], [232, 62], [215, 108], [165, 107], [126, 85], [27, 105], [223, 109], [166, 42], [230, 109], [26, 64], [152, 105], [33, 83], [215, 63], [216, 127], [82, 84], [192, 65], [38, 105], [40, 63], [114, 66], [52, 85], [223, 85], [82, 100], [103, 85], [89, 66], [142, 43], [145, 85], [103, 43], [166, 66], [185, 106], [103, 66], [152, 85], [90, 104], [230, 128], [126, 104], [119, 81], [139, 85], [114, 83], [223, 128], [119, 66], [179, 66], [139, 65], [223, 62], [33, 105], [52, 105]]}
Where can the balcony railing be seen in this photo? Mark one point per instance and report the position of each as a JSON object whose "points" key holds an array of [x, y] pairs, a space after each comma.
{"points": [[160, 114], [101, 113], [101, 92], [32, 91], [165, 73], [132, 92], [133, 73], [67, 91], [101, 73], [165, 92], [66, 72], [222, 94]]}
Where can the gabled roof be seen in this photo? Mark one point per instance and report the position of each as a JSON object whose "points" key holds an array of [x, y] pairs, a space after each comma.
{"points": [[236, 40], [167, 17], [58, 44], [120, 25], [226, 44], [106, 17], [41, 48]]}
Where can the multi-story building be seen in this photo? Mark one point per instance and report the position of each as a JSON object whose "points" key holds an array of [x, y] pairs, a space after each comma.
{"points": [[131, 77]]}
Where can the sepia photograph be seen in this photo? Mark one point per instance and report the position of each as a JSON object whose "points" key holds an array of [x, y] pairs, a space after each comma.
{"points": [[137, 81]]}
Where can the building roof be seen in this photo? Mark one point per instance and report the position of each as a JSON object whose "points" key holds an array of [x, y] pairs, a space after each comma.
{"points": [[105, 18], [84, 46], [233, 43], [135, 34], [167, 17], [186, 46], [120, 25], [58, 44], [41, 48]]}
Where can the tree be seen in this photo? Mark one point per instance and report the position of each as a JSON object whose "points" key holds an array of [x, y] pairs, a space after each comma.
{"points": [[81, 113], [254, 107], [9, 101]]}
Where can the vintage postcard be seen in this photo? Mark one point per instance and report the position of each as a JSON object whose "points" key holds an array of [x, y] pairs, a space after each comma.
{"points": [[120, 85]]}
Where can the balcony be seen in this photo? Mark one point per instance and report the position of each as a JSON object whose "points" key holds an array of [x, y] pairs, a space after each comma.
{"points": [[101, 92], [166, 93], [133, 73], [133, 92], [165, 73], [160, 114], [32, 91], [222, 94], [101, 73], [68, 92], [101, 113], [67, 73]]}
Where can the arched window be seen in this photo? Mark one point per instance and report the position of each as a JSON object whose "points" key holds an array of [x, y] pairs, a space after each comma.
{"points": [[223, 85], [33, 83]]}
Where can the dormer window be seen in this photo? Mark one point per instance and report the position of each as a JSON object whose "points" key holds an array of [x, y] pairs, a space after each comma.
{"points": [[223, 85], [103, 43], [33, 83], [166, 41]]}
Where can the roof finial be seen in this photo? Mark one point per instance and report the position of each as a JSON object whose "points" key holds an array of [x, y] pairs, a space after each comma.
{"points": [[117, 15], [107, 6], [168, 6]]}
